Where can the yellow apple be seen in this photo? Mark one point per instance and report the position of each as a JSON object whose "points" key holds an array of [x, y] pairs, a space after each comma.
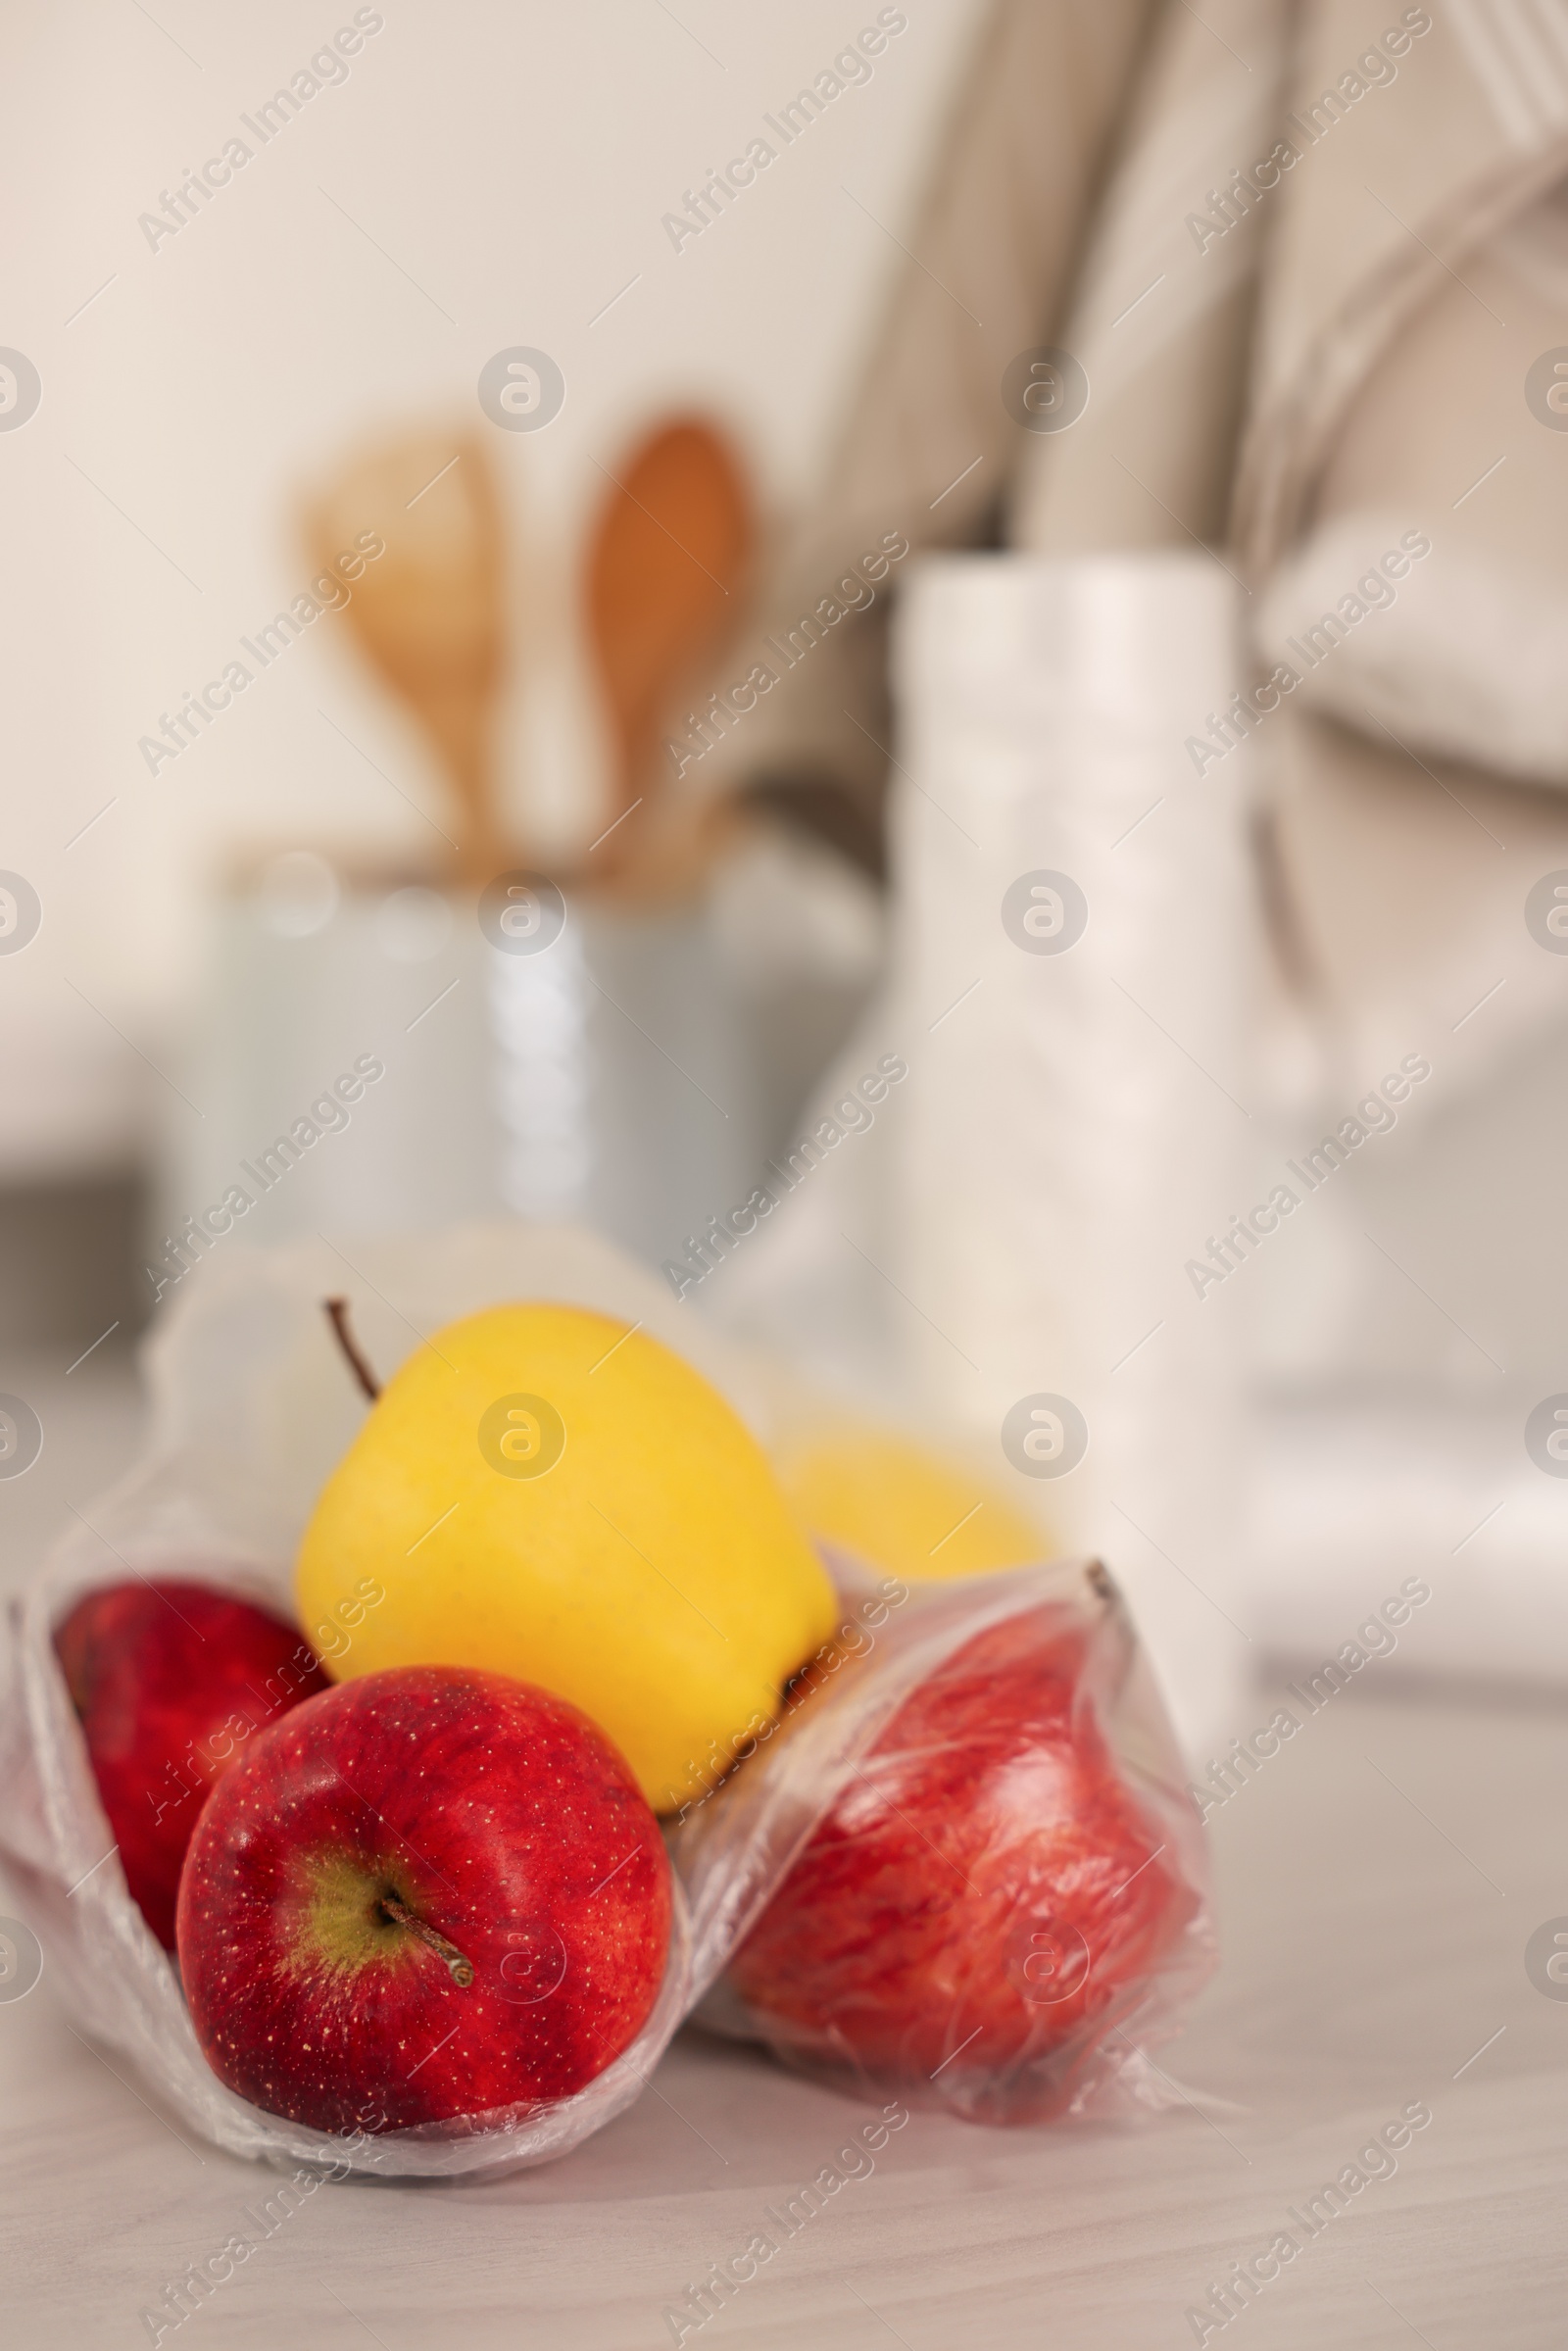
{"points": [[544, 1492], [897, 1506]]}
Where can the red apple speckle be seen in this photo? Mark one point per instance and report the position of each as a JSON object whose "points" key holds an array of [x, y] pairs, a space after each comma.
{"points": [[169, 1680], [427, 1892], [985, 1899]]}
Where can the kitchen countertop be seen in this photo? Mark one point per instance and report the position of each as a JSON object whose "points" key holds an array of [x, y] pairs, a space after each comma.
{"points": [[1377, 1883]]}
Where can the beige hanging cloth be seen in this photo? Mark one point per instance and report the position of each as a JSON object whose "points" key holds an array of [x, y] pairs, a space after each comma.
{"points": [[1414, 313], [1312, 261], [927, 445], [1162, 321]]}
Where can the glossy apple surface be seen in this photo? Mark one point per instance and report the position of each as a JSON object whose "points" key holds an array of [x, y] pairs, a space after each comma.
{"points": [[984, 1900], [169, 1680], [428, 1893]]}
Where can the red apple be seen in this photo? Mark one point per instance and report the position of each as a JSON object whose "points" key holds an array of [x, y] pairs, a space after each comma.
{"points": [[428, 1893], [169, 1680], [984, 1900]]}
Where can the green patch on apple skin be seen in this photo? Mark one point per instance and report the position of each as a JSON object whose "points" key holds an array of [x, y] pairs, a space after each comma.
{"points": [[341, 1924], [352, 1914]]}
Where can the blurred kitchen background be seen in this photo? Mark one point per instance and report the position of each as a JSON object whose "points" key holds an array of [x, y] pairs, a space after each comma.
{"points": [[210, 389], [498, 881]]}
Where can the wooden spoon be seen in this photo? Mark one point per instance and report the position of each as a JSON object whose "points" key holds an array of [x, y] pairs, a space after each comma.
{"points": [[428, 613], [665, 580]]}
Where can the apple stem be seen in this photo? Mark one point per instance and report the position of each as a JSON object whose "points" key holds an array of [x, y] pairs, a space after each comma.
{"points": [[338, 1311], [462, 1969]]}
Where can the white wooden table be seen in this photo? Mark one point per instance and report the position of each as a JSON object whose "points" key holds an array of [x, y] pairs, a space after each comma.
{"points": [[1379, 1882]]}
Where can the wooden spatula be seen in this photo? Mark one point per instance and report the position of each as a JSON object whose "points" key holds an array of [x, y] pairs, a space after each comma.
{"points": [[428, 613], [665, 578]]}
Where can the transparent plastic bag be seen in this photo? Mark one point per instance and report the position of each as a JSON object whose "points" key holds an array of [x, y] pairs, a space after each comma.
{"points": [[123, 1988], [252, 1405], [961, 1870]]}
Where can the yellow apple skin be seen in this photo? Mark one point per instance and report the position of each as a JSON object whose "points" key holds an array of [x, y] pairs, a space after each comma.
{"points": [[900, 1507], [539, 1493]]}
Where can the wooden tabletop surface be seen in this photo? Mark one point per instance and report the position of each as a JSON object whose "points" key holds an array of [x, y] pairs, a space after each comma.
{"points": [[1379, 1882]]}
